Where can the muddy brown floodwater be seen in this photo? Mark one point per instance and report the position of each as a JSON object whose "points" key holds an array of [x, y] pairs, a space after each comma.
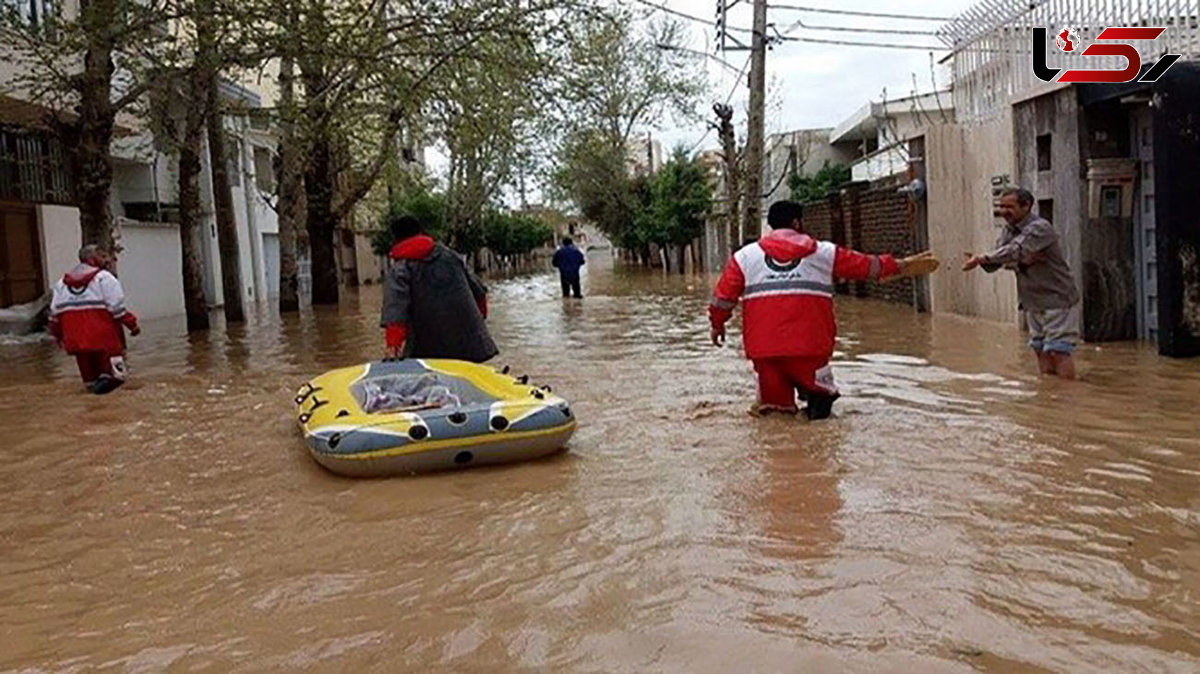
{"points": [[958, 513]]}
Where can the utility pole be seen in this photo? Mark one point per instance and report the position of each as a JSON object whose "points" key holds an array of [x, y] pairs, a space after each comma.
{"points": [[752, 221]]}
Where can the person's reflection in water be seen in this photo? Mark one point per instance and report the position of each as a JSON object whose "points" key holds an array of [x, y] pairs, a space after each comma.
{"points": [[799, 500]]}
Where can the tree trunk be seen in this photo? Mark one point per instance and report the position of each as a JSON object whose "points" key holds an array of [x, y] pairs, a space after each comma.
{"points": [[291, 187], [227, 233], [93, 131], [681, 252], [195, 305], [732, 177], [318, 186], [319, 178]]}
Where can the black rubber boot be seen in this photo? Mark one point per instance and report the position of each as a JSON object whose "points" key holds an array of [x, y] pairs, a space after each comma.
{"points": [[820, 406], [106, 384]]}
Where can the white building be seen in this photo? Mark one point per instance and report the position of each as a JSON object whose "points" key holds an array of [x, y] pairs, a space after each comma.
{"points": [[43, 225], [644, 156], [801, 152], [875, 135]]}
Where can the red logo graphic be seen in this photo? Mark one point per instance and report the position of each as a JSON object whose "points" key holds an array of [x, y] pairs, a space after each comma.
{"points": [[1066, 40], [1110, 37]]}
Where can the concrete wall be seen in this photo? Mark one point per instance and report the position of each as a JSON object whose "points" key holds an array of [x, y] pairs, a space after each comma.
{"points": [[367, 261], [960, 164], [61, 239], [271, 263], [151, 269]]}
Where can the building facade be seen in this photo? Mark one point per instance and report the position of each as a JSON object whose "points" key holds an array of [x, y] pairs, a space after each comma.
{"points": [[1113, 166]]}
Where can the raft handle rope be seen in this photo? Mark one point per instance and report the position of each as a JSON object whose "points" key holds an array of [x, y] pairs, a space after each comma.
{"points": [[308, 415], [523, 379], [538, 394], [506, 370], [303, 395]]}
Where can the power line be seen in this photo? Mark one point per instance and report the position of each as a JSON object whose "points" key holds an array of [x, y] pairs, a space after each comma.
{"points": [[880, 45], [690, 17], [849, 12], [849, 29], [741, 74]]}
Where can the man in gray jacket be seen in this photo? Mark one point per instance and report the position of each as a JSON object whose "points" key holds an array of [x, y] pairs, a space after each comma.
{"points": [[1045, 287], [433, 306]]}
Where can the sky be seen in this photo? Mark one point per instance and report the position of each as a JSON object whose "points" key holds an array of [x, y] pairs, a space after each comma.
{"points": [[812, 85], [809, 85]]}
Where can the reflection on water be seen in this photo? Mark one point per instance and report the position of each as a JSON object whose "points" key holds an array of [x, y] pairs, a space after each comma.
{"points": [[958, 513]]}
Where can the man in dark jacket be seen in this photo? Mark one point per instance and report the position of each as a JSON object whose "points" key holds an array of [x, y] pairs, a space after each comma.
{"points": [[433, 306], [568, 259]]}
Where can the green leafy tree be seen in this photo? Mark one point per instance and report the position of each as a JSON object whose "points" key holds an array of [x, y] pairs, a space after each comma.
{"points": [[817, 186], [620, 77], [680, 197], [429, 208]]}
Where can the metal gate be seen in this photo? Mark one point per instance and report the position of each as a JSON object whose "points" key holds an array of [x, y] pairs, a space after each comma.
{"points": [[1145, 247]]}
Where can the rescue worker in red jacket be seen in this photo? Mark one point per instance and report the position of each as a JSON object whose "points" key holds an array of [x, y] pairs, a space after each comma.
{"points": [[785, 282], [88, 318]]}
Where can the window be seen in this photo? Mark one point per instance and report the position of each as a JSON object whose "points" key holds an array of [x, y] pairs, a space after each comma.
{"points": [[1046, 209], [33, 167], [264, 170], [1043, 152]]}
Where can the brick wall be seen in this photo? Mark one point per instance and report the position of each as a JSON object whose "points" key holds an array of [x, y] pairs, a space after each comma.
{"points": [[872, 218], [819, 218]]}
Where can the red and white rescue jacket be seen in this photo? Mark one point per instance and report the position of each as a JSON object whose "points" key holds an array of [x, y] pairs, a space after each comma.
{"points": [[88, 310], [785, 282]]}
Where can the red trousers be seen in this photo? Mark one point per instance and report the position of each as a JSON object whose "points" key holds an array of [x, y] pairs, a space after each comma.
{"points": [[92, 364], [780, 378]]}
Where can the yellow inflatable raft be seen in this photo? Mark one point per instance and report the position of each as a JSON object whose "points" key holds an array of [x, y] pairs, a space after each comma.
{"points": [[411, 416]]}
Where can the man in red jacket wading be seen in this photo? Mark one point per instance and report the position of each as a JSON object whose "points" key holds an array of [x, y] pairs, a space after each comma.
{"points": [[785, 282], [86, 318]]}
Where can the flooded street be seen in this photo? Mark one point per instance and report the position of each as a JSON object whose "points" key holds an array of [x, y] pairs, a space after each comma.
{"points": [[957, 514]]}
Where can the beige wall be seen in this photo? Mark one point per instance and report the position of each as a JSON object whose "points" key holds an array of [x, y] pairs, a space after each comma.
{"points": [[151, 269], [150, 265], [60, 240], [368, 262], [961, 162]]}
